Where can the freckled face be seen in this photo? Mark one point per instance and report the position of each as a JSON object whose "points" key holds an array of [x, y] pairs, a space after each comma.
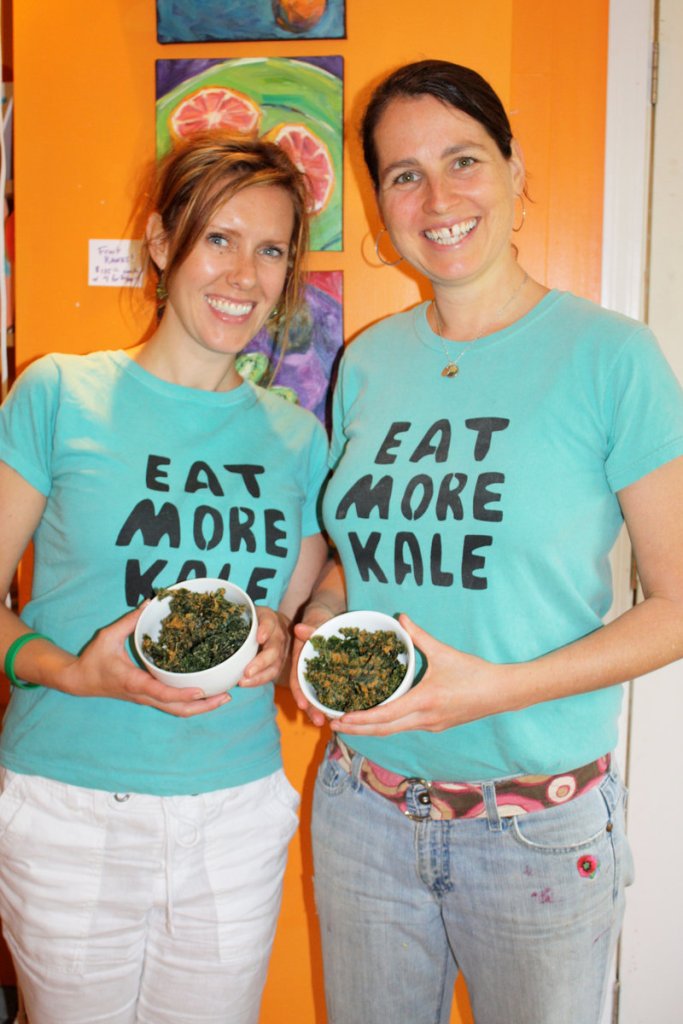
{"points": [[223, 292], [446, 192]]}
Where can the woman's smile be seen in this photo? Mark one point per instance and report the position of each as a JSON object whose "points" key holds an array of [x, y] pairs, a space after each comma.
{"points": [[229, 309], [451, 235]]}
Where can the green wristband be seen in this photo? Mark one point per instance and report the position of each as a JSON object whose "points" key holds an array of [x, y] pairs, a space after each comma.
{"points": [[12, 652]]}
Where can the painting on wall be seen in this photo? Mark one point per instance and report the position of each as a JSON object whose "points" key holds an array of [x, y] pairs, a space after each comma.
{"points": [[201, 21], [296, 102], [316, 340]]}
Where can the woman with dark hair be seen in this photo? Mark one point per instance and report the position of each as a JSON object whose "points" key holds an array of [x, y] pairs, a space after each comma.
{"points": [[488, 445], [145, 828]]}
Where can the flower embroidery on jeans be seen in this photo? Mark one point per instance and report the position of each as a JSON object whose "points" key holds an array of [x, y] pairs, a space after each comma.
{"points": [[587, 865]]}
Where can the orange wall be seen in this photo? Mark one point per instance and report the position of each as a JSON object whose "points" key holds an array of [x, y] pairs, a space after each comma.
{"points": [[84, 95]]}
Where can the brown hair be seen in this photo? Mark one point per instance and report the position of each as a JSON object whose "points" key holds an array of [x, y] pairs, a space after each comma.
{"points": [[453, 84], [199, 175]]}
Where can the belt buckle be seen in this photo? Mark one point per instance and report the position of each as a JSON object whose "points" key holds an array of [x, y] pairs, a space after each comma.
{"points": [[427, 785]]}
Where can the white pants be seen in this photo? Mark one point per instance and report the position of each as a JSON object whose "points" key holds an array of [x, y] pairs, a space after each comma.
{"points": [[133, 909]]}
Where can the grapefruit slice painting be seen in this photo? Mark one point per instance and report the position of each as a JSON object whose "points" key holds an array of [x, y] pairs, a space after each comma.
{"points": [[214, 107], [296, 102], [312, 157]]}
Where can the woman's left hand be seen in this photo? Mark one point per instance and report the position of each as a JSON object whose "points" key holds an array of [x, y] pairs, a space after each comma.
{"points": [[274, 637], [456, 688]]}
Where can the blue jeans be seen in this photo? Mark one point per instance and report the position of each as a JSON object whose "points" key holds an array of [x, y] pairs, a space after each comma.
{"points": [[529, 907]]}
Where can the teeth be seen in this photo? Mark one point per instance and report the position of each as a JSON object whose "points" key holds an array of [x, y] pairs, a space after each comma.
{"points": [[230, 308], [448, 236]]}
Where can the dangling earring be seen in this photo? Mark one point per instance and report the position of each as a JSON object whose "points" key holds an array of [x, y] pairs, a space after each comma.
{"points": [[161, 290], [387, 263], [521, 223], [274, 313]]}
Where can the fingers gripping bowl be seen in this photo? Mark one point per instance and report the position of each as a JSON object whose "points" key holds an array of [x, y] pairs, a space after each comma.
{"points": [[343, 648], [219, 677]]}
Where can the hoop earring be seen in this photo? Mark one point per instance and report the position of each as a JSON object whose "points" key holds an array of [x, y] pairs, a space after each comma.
{"points": [[387, 263], [521, 223]]}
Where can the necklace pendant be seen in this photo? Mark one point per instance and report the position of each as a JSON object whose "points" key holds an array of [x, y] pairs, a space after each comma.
{"points": [[450, 370]]}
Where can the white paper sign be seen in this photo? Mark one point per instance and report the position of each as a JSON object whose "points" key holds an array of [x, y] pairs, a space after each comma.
{"points": [[114, 263]]}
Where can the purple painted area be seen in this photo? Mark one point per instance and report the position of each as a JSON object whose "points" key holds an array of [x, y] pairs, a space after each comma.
{"points": [[170, 73], [316, 341]]}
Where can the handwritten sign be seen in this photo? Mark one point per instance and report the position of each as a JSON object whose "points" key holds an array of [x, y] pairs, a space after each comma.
{"points": [[114, 263]]}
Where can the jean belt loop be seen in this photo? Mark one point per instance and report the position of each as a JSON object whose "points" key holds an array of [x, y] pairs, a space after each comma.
{"points": [[489, 793], [356, 765], [612, 789], [418, 800]]}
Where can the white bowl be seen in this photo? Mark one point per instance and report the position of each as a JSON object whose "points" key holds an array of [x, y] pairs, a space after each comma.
{"points": [[211, 680], [372, 621]]}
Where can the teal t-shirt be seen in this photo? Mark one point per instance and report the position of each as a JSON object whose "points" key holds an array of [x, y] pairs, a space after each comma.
{"points": [[148, 483], [485, 506]]}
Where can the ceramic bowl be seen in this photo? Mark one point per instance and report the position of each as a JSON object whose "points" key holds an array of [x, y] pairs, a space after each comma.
{"points": [[211, 680], [369, 620]]}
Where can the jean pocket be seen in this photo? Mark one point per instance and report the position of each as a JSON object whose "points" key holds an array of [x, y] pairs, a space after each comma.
{"points": [[332, 778], [584, 840], [570, 827]]}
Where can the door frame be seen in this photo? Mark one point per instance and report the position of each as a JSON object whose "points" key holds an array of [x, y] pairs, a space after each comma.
{"points": [[628, 133], [648, 962], [627, 156]]}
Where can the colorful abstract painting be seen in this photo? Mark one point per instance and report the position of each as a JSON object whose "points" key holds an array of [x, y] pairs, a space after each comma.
{"points": [[198, 21], [296, 102], [315, 343]]}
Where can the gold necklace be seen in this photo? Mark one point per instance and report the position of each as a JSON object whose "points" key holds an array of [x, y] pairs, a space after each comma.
{"points": [[451, 369]]}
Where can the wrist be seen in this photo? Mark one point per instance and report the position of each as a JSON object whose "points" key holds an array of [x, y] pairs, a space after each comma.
{"points": [[62, 672], [11, 655], [318, 611], [517, 686], [285, 621], [34, 660]]}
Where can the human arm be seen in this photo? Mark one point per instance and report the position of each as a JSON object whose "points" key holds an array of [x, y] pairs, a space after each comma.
{"points": [[103, 669], [459, 687], [327, 600], [274, 630]]}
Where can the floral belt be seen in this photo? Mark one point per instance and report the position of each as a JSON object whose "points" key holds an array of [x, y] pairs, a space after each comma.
{"points": [[421, 799]]}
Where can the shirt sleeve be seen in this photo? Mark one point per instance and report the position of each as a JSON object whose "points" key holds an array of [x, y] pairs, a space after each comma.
{"points": [[645, 404], [27, 423], [338, 439], [311, 520]]}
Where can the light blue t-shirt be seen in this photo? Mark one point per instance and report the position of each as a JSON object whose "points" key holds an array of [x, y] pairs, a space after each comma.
{"points": [[148, 483], [485, 506]]}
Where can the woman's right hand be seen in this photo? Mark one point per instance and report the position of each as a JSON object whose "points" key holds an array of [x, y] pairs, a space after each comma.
{"points": [[328, 599], [302, 633], [104, 669]]}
